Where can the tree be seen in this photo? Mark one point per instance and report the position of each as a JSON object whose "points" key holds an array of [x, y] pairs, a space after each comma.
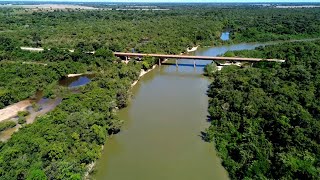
{"points": [[37, 174]]}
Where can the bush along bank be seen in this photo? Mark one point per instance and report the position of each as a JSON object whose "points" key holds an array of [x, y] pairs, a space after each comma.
{"points": [[265, 119]]}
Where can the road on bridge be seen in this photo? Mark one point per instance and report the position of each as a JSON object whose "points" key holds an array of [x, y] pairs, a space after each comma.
{"points": [[210, 58]]}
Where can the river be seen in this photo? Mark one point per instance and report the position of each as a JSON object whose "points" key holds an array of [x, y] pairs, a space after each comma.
{"points": [[163, 123]]}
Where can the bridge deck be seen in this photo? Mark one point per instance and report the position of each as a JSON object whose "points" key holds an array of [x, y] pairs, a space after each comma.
{"points": [[209, 58]]}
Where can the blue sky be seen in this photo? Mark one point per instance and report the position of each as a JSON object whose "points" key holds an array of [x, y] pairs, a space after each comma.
{"points": [[217, 1]]}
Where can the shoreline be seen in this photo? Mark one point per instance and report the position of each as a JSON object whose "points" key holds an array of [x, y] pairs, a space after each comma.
{"points": [[142, 73], [91, 166], [12, 110], [75, 75], [33, 114], [80, 74], [193, 49]]}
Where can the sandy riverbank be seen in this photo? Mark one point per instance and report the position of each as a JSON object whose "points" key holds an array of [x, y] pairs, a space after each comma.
{"points": [[142, 73], [192, 49], [12, 110], [75, 75]]}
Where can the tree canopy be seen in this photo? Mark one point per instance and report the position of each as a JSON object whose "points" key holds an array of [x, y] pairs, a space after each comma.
{"points": [[265, 120]]}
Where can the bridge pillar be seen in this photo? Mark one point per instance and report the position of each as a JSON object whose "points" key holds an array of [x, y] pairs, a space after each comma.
{"points": [[177, 62], [194, 63], [159, 61], [126, 59]]}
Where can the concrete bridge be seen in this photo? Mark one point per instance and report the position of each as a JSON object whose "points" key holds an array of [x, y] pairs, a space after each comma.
{"points": [[209, 58], [229, 60]]}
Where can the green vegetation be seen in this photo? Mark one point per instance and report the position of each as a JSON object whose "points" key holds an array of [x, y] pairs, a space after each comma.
{"points": [[22, 120], [148, 62], [265, 120], [22, 116], [23, 73], [36, 107], [266, 24], [6, 124], [210, 69], [19, 81], [61, 144], [23, 113], [156, 31]]}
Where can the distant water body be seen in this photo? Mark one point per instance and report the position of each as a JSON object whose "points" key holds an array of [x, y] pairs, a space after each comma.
{"points": [[225, 36]]}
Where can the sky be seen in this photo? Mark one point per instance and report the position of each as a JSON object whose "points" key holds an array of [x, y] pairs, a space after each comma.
{"points": [[180, 1]]}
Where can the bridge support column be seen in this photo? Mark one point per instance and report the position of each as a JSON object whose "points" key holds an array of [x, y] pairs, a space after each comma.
{"points": [[127, 60], [177, 62], [194, 64], [159, 62]]}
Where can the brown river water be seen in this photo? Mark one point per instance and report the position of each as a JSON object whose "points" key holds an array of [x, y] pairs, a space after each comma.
{"points": [[161, 138]]}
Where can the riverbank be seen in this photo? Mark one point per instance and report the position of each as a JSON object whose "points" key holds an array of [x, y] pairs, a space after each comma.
{"points": [[275, 144], [79, 74], [12, 110], [42, 105], [78, 126], [161, 136], [143, 72], [45, 106], [92, 166], [192, 49]]}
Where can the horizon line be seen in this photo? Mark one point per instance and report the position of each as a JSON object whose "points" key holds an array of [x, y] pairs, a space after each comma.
{"points": [[164, 1], [168, 2]]}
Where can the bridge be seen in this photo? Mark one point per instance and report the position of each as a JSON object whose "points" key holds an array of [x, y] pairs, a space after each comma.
{"points": [[230, 60], [208, 58]]}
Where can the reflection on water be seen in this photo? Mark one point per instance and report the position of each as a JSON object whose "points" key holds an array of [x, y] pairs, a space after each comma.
{"points": [[78, 81]]}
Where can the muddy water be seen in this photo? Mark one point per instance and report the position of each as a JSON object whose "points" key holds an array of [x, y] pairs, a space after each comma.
{"points": [[161, 138]]}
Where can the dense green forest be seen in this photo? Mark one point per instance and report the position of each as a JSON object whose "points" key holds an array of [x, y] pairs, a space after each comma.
{"points": [[62, 143], [265, 120], [156, 31], [24, 73]]}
